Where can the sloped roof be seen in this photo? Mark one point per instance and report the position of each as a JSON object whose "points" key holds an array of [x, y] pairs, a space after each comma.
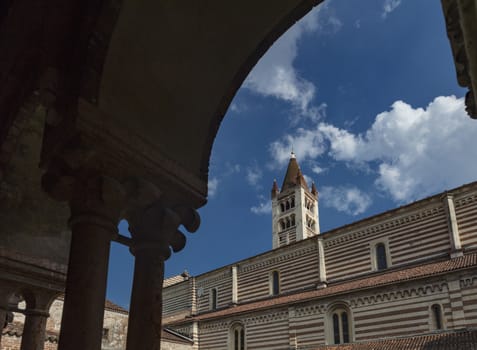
{"points": [[368, 281], [174, 337], [293, 175], [465, 339]]}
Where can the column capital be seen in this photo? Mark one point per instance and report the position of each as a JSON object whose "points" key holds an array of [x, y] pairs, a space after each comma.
{"points": [[156, 228], [93, 197]]}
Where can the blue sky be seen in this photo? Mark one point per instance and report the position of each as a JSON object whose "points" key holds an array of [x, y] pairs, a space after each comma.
{"points": [[367, 98]]}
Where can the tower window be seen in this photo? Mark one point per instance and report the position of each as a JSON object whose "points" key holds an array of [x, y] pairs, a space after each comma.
{"points": [[275, 283], [287, 205], [436, 315], [293, 220], [282, 225], [381, 259], [282, 207], [292, 202]]}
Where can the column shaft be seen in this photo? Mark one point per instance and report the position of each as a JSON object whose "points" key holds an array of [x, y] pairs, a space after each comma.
{"points": [[33, 337], [145, 314], [85, 295]]}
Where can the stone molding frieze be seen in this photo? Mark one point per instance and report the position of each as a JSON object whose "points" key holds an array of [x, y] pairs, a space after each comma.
{"points": [[399, 294], [372, 229]]}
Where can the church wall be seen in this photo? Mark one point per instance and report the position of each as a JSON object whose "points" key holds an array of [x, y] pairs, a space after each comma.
{"points": [[177, 299], [399, 310], [469, 299], [297, 265], [221, 280], [410, 237], [466, 213]]}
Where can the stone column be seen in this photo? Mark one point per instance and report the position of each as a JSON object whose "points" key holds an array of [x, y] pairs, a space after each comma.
{"points": [[36, 314], [95, 202], [153, 229], [5, 293], [33, 337]]}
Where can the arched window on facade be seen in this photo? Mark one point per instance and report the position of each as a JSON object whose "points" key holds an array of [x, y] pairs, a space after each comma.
{"points": [[437, 321], [293, 220], [282, 225], [287, 205], [282, 207], [340, 328], [288, 223], [237, 337], [292, 204], [381, 259], [213, 298], [275, 283]]}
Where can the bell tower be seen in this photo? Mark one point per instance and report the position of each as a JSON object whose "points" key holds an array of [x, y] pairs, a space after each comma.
{"points": [[294, 208]]}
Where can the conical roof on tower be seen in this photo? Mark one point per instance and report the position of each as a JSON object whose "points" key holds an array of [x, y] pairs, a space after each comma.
{"points": [[293, 176]]}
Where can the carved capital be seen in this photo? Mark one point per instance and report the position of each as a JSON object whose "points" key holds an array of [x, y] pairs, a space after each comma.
{"points": [[154, 225], [92, 196]]}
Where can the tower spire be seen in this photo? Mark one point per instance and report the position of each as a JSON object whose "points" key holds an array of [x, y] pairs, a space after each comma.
{"points": [[294, 207]]}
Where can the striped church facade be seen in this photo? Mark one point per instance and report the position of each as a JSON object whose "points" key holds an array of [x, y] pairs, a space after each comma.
{"points": [[406, 272]]}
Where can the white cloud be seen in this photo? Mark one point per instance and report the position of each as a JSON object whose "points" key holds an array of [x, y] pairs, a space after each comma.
{"points": [[213, 185], [275, 75], [317, 169], [254, 175], [415, 151], [389, 6], [307, 144], [264, 207], [349, 200]]}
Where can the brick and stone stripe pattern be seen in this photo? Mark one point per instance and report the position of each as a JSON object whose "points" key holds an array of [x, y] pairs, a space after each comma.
{"points": [[466, 213], [469, 299], [412, 237], [403, 310], [177, 298], [221, 280], [297, 266]]}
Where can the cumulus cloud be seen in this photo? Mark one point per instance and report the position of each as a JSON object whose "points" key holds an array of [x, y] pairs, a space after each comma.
{"points": [[213, 185], [305, 143], [275, 75], [413, 152], [389, 6], [263, 208], [418, 151], [349, 200]]}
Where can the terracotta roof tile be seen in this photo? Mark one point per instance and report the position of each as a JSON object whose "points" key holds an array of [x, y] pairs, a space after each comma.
{"points": [[109, 305], [368, 281], [454, 340]]}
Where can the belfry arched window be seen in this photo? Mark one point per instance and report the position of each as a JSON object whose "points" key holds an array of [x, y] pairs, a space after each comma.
{"points": [[237, 337], [287, 205], [292, 203], [282, 207]]}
